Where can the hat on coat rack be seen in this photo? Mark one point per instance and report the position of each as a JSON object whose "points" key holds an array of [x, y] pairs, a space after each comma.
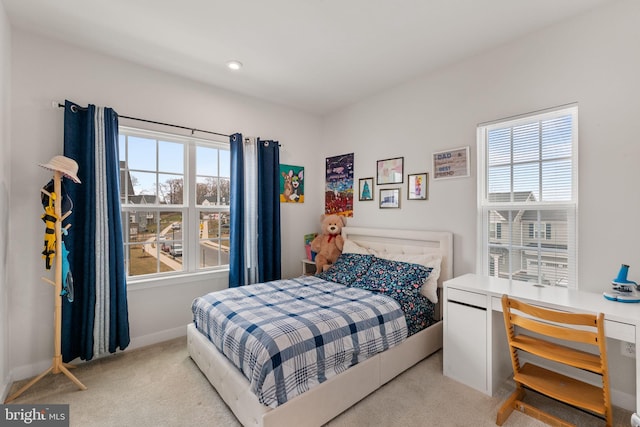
{"points": [[63, 164]]}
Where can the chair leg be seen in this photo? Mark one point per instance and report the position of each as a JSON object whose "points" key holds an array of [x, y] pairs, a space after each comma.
{"points": [[609, 417], [509, 405]]}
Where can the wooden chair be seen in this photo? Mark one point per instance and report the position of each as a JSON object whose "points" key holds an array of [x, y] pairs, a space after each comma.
{"points": [[564, 327]]}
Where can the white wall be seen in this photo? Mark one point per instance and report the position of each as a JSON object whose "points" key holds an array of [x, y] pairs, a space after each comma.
{"points": [[46, 71], [592, 60], [5, 174]]}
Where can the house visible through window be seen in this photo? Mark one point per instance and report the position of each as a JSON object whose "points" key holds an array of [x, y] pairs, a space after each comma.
{"points": [[175, 202], [527, 187]]}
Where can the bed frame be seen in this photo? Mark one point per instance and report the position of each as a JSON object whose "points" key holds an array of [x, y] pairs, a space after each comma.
{"points": [[327, 400]]}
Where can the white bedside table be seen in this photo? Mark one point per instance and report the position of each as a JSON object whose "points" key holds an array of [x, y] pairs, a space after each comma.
{"points": [[308, 267]]}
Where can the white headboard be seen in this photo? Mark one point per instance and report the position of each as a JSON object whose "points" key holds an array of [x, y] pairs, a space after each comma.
{"points": [[407, 242]]}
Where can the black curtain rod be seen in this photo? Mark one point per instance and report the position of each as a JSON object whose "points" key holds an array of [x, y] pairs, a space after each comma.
{"points": [[153, 122]]}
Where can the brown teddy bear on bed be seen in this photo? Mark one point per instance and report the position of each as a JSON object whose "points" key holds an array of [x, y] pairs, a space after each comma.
{"points": [[328, 244]]}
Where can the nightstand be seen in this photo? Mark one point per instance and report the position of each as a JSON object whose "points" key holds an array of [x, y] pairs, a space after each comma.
{"points": [[308, 267]]}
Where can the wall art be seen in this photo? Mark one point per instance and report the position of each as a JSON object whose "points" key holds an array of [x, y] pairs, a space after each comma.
{"points": [[451, 163], [338, 194], [389, 198], [390, 171], [365, 189], [418, 186], [291, 184]]}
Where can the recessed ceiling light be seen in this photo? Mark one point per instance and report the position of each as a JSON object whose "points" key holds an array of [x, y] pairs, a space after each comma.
{"points": [[234, 65]]}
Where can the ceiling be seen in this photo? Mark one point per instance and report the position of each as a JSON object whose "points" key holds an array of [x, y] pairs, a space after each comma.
{"points": [[311, 55]]}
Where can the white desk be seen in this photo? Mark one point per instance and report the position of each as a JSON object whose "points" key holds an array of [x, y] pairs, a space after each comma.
{"points": [[475, 348]]}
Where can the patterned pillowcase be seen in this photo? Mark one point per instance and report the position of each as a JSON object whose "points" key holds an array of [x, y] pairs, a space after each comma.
{"points": [[401, 281], [347, 268]]}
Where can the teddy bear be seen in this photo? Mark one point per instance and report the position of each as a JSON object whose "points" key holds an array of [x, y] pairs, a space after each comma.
{"points": [[328, 244]]}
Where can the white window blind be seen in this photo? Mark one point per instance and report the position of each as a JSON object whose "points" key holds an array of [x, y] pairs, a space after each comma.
{"points": [[527, 189]]}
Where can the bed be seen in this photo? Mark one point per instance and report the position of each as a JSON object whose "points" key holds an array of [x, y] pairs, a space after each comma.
{"points": [[328, 399]]}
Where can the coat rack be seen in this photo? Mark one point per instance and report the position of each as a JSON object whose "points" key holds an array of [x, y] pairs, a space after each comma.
{"points": [[57, 365]]}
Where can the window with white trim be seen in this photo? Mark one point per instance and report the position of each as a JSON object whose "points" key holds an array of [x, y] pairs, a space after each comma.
{"points": [[528, 197], [174, 192]]}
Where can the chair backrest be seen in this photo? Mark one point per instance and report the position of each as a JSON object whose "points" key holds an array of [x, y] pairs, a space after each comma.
{"points": [[552, 323]]}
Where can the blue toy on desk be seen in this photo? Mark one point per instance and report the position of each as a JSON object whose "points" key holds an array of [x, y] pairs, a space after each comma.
{"points": [[624, 290]]}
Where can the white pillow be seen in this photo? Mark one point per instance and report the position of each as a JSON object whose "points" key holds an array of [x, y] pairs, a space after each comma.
{"points": [[430, 287], [351, 247]]}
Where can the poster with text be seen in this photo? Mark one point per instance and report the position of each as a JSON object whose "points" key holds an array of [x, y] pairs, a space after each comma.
{"points": [[338, 195], [451, 163]]}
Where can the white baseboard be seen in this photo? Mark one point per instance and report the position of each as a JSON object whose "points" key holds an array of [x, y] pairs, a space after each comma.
{"points": [[27, 371], [623, 400], [4, 389], [156, 337], [31, 370]]}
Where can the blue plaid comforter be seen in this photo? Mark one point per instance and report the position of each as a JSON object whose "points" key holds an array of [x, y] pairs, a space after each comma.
{"points": [[287, 336]]}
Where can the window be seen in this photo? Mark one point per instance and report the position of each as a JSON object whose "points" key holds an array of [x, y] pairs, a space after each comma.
{"points": [[527, 197], [174, 192], [495, 230], [540, 231]]}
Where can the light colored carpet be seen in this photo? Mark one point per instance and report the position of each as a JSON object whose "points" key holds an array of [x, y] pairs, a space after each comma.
{"points": [[161, 386]]}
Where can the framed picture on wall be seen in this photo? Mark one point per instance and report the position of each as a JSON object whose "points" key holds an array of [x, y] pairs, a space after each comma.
{"points": [[390, 171], [418, 186], [365, 189], [291, 184], [389, 198], [451, 163]]}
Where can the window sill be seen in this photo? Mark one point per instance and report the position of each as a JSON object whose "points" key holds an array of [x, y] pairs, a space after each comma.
{"points": [[179, 279]]}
